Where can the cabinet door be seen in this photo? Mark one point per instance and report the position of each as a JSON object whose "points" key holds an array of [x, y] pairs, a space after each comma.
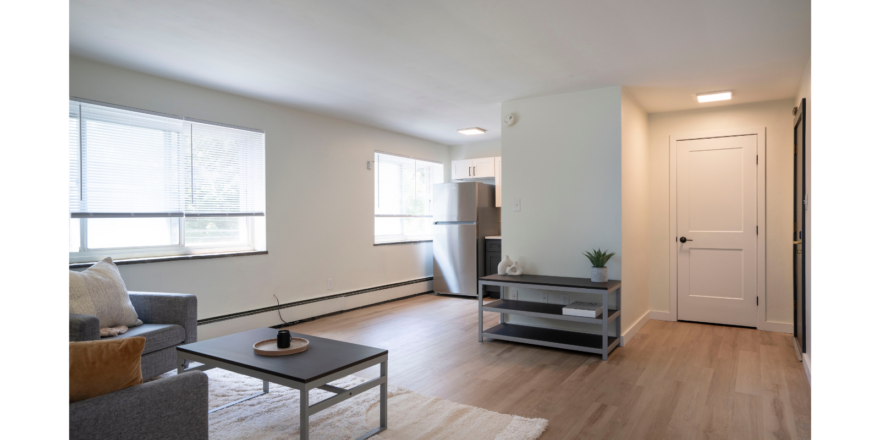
{"points": [[493, 259], [461, 169], [497, 182], [484, 167]]}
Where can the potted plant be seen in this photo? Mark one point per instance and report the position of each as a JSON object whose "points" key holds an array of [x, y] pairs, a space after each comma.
{"points": [[599, 273]]}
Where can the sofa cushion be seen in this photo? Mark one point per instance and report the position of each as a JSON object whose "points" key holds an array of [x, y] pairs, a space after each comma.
{"points": [[158, 336], [99, 291], [100, 367]]}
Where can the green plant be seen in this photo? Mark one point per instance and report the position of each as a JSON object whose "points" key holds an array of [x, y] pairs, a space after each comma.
{"points": [[599, 257]]}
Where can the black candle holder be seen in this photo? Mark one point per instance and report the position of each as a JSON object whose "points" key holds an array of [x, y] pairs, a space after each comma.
{"points": [[283, 339]]}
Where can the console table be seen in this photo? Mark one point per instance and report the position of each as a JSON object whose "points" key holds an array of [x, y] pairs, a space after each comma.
{"points": [[586, 342]]}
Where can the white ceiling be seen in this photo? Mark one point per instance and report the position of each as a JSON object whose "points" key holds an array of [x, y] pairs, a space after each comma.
{"points": [[429, 68]]}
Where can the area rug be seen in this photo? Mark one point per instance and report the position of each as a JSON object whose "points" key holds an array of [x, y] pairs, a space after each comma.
{"points": [[410, 415]]}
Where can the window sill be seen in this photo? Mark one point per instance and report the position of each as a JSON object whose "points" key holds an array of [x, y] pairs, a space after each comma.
{"points": [[171, 258], [402, 242]]}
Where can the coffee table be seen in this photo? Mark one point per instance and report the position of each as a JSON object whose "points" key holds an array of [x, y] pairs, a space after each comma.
{"points": [[326, 360]]}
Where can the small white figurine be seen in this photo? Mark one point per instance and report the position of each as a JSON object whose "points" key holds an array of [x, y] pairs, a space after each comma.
{"points": [[514, 270]]}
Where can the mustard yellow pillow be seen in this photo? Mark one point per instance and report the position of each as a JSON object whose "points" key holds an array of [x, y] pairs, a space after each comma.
{"points": [[101, 367]]}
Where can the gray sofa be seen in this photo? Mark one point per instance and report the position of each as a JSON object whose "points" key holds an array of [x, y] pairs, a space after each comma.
{"points": [[174, 407], [169, 320]]}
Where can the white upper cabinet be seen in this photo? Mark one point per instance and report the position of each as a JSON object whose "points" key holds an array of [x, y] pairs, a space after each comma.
{"points": [[484, 167], [481, 168], [498, 182], [462, 169]]}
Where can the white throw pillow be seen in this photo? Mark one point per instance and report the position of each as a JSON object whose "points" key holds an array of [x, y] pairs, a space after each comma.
{"points": [[99, 291]]}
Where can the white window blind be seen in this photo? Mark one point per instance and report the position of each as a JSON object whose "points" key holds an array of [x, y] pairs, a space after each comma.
{"points": [[74, 173], [129, 163], [403, 197], [228, 175]]}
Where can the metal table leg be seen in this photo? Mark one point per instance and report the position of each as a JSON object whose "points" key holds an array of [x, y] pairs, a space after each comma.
{"points": [[265, 391], [383, 403], [383, 397], [605, 327], [503, 317], [480, 288], [304, 414]]}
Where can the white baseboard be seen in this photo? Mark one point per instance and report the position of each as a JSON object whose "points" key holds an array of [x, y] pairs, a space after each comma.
{"points": [[661, 316], [770, 326], [781, 327], [807, 368], [633, 329]]}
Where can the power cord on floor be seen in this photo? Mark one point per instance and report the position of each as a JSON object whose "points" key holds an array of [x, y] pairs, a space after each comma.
{"points": [[279, 310]]}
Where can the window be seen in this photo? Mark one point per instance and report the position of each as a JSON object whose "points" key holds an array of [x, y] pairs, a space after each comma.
{"points": [[404, 192], [143, 184]]}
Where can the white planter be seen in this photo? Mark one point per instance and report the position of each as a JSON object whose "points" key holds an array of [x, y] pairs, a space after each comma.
{"points": [[514, 270], [503, 265], [599, 274]]}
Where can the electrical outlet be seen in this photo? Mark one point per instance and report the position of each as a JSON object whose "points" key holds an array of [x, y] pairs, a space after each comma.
{"points": [[514, 294], [329, 283], [565, 299], [543, 297], [516, 205]]}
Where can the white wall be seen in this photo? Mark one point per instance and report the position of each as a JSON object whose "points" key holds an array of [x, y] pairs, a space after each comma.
{"points": [[804, 91], [777, 117], [635, 266], [475, 150], [562, 159], [319, 201]]}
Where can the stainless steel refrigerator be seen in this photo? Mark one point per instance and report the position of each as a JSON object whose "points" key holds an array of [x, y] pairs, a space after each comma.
{"points": [[464, 214]]}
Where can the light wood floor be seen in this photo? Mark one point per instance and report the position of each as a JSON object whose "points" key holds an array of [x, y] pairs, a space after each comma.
{"points": [[674, 380]]}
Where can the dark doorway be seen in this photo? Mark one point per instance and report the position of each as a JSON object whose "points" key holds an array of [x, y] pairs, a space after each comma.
{"points": [[799, 249]]}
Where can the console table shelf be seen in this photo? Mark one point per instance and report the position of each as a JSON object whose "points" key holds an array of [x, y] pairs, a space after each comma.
{"points": [[587, 342], [542, 310]]}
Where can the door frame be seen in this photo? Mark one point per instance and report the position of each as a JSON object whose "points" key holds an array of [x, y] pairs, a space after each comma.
{"points": [[761, 133], [800, 123]]}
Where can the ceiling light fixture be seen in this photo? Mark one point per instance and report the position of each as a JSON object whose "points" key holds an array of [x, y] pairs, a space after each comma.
{"points": [[472, 131], [714, 96]]}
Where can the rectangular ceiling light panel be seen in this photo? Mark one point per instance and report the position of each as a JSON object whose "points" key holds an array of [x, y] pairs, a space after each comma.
{"points": [[714, 96], [472, 131]]}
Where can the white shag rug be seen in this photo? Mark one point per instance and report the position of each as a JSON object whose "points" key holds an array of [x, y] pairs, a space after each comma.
{"points": [[410, 415]]}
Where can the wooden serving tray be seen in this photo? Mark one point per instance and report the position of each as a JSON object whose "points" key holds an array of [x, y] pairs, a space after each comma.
{"points": [[269, 347]]}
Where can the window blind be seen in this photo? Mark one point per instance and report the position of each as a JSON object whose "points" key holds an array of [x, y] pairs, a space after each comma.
{"points": [[73, 180], [227, 172], [131, 163]]}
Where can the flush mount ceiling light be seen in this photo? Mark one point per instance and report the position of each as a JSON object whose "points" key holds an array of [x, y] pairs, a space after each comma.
{"points": [[714, 96], [472, 131]]}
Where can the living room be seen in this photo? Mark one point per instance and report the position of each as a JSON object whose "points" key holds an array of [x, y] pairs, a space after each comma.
{"points": [[287, 220]]}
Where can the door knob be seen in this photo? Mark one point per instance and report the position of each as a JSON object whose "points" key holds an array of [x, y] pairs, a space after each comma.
{"points": [[684, 239]]}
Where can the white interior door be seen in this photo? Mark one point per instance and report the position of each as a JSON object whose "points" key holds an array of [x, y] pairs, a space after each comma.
{"points": [[717, 215]]}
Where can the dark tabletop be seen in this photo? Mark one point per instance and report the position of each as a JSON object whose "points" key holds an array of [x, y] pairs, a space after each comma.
{"points": [[581, 283], [324, 356]]}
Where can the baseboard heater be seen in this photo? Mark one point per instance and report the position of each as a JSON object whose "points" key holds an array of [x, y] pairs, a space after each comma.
{"points": [[314, 300]]}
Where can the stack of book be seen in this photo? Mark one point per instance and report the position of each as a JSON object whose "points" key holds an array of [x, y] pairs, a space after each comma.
{"points": [[583, 309]]}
